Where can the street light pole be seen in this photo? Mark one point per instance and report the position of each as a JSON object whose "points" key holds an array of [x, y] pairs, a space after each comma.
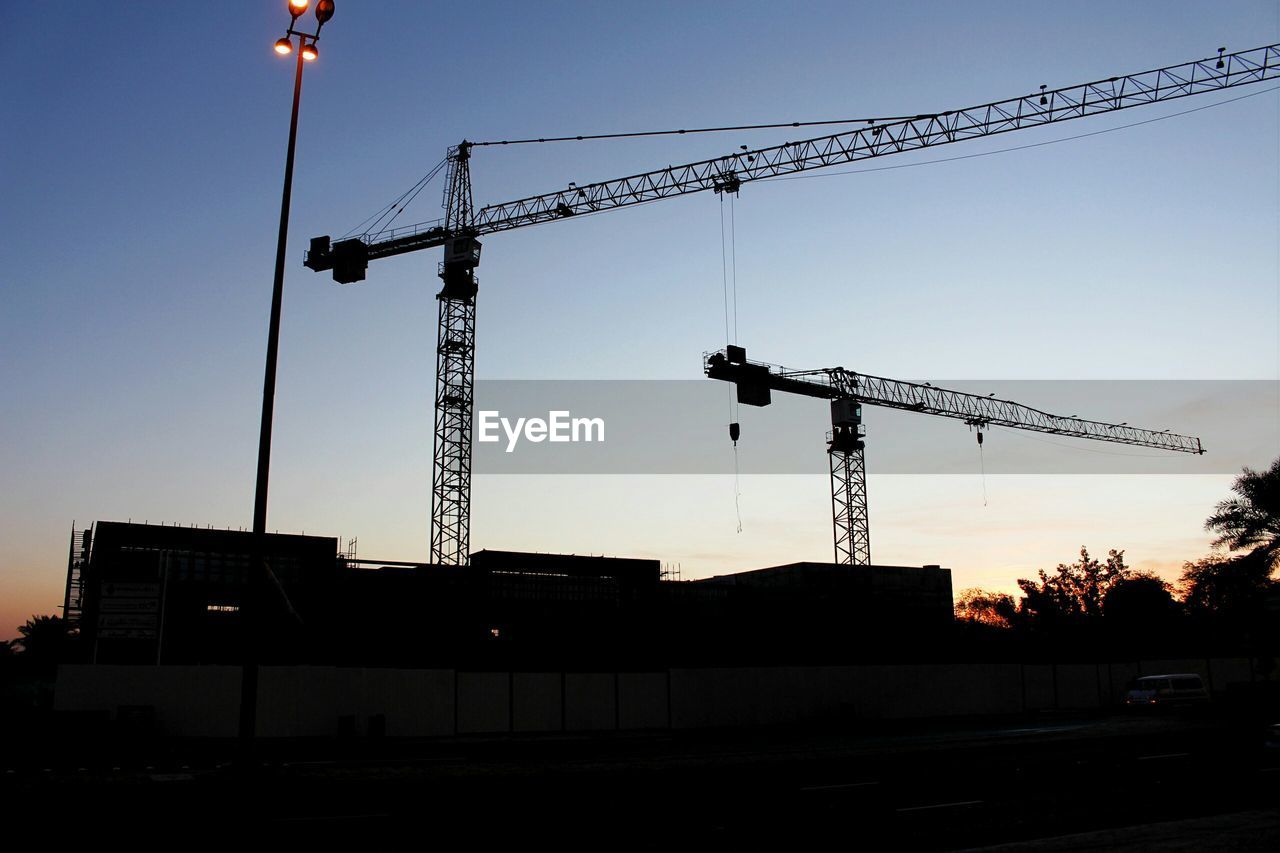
{"points": [[251, 600], [273, 335]]}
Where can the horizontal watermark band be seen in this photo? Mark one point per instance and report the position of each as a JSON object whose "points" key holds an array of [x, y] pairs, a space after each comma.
{"points": [[682, 427]]}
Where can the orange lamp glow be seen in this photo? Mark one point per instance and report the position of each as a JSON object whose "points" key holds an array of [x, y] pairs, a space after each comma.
{"points": [[309, 52], [284, 47], [297, 7]]}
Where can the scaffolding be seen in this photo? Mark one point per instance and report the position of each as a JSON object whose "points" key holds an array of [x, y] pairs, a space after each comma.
{"points": [[77, 562]]}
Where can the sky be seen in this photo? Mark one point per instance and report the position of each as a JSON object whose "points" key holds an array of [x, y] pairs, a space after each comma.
{"points": [[141, 158]]}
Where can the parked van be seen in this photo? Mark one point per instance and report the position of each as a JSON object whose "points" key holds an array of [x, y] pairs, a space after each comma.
{"points": [[1173, 689]]}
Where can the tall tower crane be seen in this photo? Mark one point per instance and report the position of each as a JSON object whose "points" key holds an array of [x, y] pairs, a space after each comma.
{"points": [[462, 225], [848, 391]]}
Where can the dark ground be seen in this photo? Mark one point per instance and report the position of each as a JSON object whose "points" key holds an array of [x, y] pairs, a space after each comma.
{"points": [[1108, 782]]}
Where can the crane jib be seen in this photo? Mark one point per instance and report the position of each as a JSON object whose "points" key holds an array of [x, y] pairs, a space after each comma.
{"points": [[1048, 106], [755, 381]]}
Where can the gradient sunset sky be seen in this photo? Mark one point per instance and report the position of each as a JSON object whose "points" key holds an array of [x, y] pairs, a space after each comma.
{"points": [[141, 154]]}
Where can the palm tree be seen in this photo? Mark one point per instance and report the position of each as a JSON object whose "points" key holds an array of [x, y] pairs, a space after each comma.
{"points": [[1252, 519], [43, 640]]}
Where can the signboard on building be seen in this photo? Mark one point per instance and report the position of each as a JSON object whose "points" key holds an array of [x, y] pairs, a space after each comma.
{"points": [[129, 611]]}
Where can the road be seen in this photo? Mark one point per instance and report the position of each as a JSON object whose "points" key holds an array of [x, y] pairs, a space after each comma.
{"points": [[905, 787]]}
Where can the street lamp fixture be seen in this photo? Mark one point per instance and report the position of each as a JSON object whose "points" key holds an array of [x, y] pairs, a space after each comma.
{"points": [[306, 41]]}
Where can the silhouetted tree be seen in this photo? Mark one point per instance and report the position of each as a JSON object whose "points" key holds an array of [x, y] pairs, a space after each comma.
{"points": [[983, 607], [1227, 592], [1074, 591], [1140, 612], [1140, 597], [1251, 520], [43, 640], [1226, 586]]}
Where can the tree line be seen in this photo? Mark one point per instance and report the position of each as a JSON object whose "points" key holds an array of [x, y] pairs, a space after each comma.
{"points": [[1226, 597]]}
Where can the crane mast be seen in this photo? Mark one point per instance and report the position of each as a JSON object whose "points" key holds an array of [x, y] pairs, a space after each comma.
{"points": [[348, 259], [455, 371], [848, 391]]}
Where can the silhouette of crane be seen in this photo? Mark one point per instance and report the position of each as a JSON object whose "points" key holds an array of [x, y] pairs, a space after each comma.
{"points": [[463, 224], [847, 391]]}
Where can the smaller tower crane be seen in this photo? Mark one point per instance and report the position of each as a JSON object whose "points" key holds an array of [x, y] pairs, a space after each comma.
{"points": [[846, 444]]}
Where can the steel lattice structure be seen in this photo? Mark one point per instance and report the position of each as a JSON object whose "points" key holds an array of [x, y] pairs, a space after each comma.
{"points": [[455, 375], [451, 469], [977, 410], [457, 232], [756, 380], [846, 457]]}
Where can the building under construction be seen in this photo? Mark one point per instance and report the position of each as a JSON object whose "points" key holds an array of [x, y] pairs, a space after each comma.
{"points": [[149, 594]]}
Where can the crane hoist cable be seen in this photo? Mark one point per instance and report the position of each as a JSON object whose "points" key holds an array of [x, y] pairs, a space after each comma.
{"points": [[729, 290], [737, 488], [729, 287], [982, 467]]}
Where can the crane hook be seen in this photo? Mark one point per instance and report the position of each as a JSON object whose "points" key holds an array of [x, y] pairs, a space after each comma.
{"points": [[735, 431]]}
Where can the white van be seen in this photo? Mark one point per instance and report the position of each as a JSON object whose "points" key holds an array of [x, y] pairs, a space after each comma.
{"points": [[1172, 689]]}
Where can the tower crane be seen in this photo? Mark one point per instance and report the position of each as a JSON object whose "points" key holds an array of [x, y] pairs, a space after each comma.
{"points": [[463, 224], [848, 391]]}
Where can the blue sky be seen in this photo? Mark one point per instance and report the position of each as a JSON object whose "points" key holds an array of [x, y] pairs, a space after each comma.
{"points": [[140, 164]]}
